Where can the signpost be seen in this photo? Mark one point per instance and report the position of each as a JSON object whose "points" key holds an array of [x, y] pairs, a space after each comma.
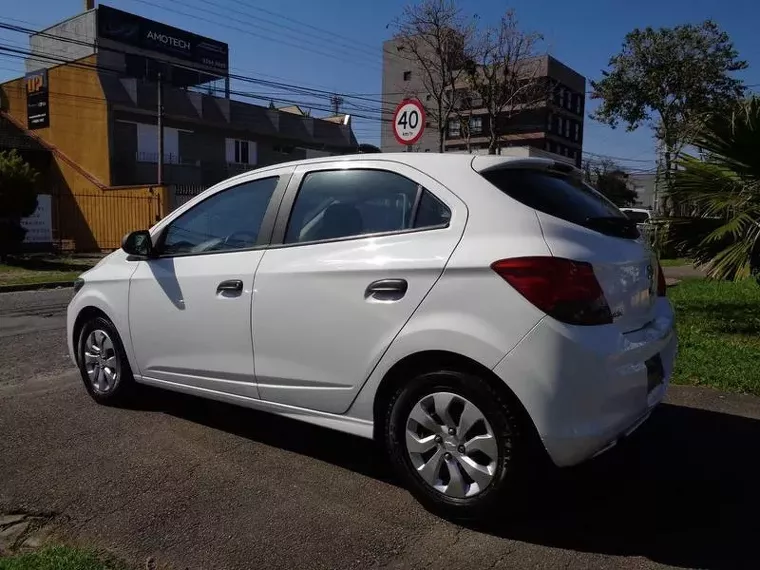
{"points": [[39, 227], [409, 122], [37, 100]]}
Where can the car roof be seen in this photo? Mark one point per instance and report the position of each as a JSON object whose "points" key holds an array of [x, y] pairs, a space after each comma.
{"points": [[422, 160]]}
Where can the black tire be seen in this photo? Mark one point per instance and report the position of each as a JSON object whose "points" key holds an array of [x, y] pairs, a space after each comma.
{"points": [[504, 419], [124, 386]]}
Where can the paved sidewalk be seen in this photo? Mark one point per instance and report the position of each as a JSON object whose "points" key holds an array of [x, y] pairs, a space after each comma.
{"points": [[682, 272]]}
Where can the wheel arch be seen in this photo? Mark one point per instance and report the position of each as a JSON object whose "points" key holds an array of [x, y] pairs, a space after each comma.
{"points": [[85, 314], [429, 361]]}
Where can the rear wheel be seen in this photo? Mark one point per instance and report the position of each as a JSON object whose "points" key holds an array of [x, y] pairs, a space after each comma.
{"points": [[456, 443], [103, 363]]}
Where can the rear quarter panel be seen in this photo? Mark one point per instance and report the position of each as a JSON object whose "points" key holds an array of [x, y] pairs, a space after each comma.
{"points": [[470, 311]]}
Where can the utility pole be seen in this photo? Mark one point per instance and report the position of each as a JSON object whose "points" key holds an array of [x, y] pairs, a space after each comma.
{"points": [[160, 121], [336, 101]]}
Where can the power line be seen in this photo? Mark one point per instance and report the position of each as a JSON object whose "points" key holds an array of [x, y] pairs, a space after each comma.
{"points": [[326, 94], [306, 48]]}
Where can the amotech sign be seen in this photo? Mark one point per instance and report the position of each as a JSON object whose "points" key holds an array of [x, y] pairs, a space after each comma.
{"points": [[139, 32], [37, 100]]}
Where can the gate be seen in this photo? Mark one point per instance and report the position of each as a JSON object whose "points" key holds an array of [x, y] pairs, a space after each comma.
{"points": [[182, 193]]}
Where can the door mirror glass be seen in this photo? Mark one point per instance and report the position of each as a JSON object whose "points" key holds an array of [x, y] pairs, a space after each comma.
{"points": [[138, 243]]}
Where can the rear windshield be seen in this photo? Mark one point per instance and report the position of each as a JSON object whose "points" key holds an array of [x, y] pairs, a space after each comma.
{"points": [[638, 217], [564, 197]]}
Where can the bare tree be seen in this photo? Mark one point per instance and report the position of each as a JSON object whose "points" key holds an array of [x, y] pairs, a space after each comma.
{"points": [[433, 36], [506, 74], [463, 113]]}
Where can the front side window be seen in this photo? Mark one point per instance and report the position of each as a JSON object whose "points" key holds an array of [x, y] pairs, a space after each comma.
{"points": [[335, 204], [226, 221]]}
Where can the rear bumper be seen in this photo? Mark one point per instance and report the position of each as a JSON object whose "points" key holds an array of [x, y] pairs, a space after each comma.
{"points": [[587, 387]]}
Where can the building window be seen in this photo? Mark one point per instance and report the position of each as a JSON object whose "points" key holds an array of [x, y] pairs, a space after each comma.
{"points": [[407, 75], [576, 131], [454, 129], [147, 144], [566, 100], [550, 122], [558, 96], [476, 125], [240, 152], [567, 128], [428, 97], [578, 103]]}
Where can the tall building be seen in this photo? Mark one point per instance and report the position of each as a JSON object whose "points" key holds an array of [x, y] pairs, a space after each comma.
{"points": [[554, 125], [87, 114]]}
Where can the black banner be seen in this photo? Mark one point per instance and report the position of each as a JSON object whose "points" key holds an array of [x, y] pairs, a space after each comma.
{"points": [[140, 32], [37, 100]]}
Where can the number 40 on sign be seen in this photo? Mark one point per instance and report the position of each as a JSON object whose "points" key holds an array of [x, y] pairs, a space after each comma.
{"points": [[409, 121]]}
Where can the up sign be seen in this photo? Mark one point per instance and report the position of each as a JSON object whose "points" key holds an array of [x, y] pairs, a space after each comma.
{"points": [[37, 100]]}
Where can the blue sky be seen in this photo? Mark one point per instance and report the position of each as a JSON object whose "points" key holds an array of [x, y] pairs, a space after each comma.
{"points": [[336, 45]]}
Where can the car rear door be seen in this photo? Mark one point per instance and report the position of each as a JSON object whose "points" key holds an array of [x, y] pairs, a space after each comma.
{"points": [[580, 224], [357, 246]]}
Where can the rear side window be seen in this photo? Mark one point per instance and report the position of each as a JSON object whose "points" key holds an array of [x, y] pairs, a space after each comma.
{"points": [[339, 204], [563, 197]]}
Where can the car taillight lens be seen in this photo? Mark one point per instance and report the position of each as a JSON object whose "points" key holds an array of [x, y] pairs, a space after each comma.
{"points": [[662, 287], [565, 290]]}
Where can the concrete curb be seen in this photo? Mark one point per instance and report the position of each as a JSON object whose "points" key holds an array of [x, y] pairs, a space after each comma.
{"points": [[35, 286]]}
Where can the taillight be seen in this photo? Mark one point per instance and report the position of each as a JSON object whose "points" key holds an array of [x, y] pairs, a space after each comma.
{"points": [[662, 287], [565, 290]]}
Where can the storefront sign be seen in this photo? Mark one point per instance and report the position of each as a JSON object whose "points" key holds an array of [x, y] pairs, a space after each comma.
{"points": [[37, 100], [142, 33], [39, 226]]}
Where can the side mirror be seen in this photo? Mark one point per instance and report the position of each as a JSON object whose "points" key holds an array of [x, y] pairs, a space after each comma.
{"points": [[138, 244]]}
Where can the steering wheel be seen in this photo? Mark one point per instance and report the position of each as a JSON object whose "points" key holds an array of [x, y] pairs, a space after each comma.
{"points": [[248, 238]]}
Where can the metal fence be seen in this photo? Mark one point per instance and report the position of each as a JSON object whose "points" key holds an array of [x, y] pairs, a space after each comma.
{"points": [[91, 222], [182, 193]]}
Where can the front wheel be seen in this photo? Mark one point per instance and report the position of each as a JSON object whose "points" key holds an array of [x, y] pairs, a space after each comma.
{"points": [[455, 441], [103, 363]]}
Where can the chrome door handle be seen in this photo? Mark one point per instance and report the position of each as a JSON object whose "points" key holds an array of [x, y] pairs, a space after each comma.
{"points": [[386, 289], [230, 286]]}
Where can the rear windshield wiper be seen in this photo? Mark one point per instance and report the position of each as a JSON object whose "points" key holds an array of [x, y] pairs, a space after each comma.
{"points": [[619, 226]]}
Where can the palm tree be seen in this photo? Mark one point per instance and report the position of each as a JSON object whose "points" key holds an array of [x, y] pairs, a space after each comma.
{"points": [[722, 187]]}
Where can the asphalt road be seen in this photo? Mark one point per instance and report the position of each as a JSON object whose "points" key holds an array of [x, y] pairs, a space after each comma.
{"points": [[196, 484]]}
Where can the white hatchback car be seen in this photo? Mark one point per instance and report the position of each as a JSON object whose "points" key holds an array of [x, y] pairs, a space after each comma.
{"points": [[463, 311]]}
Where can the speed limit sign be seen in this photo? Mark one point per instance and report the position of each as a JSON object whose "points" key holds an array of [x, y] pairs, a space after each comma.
{"points": [[409, 121]]}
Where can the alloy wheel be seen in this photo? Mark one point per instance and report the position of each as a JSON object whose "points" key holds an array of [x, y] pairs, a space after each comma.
{"points": [[101, 363], [451, 445]]}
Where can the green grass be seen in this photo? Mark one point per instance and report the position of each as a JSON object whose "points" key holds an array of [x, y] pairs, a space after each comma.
{"points": [[719, 334], [675, 262], [41, 270], [61, 558]]}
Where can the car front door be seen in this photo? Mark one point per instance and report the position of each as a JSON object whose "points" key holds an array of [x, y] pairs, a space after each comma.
{"points": [[356, 248], [190, 307]]}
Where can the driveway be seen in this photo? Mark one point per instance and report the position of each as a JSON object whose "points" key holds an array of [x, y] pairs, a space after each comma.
{"points": [[199, 484]]}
